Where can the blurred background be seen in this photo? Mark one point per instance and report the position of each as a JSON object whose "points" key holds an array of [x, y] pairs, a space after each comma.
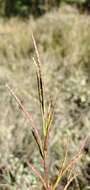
{"points": [[62, 32]]}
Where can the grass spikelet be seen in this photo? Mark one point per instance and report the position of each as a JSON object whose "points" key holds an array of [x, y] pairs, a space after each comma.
{"points": [[39, 75]]}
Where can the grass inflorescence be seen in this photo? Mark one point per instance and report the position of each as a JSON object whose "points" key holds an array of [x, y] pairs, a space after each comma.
{"points": [[42, 138]]}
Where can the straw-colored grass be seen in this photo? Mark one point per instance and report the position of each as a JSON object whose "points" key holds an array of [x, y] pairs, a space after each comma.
{"points": [[63, 40]]}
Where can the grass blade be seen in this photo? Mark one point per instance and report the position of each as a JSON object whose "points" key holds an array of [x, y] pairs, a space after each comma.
{"points": [[29, 117]]}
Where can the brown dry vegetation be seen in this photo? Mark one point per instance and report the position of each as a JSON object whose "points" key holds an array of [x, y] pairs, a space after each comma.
{"points": [[63, 39]]}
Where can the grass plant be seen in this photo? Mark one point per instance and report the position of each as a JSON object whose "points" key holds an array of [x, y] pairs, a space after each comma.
{"points": [[42, 138]]}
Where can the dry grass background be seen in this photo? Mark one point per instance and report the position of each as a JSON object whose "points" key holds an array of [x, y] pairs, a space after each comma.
{"points": [[63, 39]]}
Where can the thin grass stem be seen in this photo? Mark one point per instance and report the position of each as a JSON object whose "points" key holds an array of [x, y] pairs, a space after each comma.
{"points": [[29, 117]]}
